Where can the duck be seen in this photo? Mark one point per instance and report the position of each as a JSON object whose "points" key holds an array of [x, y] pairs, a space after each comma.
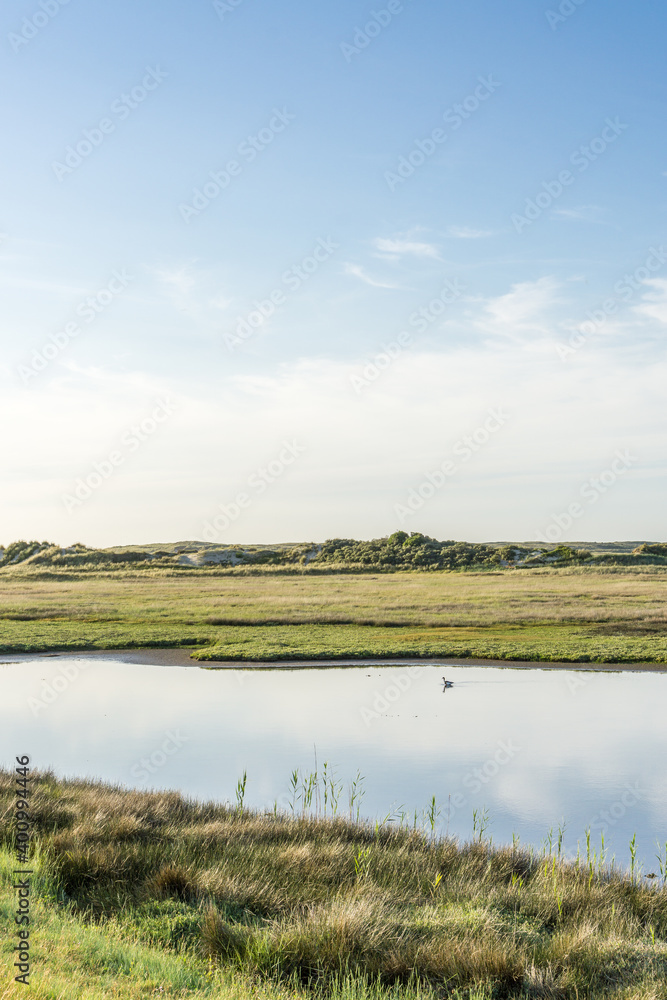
{"points": [[447, 683]]}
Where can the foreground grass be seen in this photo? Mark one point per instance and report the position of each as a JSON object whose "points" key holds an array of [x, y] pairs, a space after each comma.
{"points": [[81, 959], [569, 614], [144, 894]]}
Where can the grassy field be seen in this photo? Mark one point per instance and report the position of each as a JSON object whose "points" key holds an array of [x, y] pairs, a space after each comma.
{"points": [[541, 614], [578, 614], [139, 894]]}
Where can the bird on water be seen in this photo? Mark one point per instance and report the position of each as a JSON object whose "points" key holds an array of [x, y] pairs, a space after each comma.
{"points": [[447, 683]]}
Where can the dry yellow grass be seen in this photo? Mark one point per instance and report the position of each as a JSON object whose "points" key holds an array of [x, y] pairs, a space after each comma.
{"points": [[541, 595]]}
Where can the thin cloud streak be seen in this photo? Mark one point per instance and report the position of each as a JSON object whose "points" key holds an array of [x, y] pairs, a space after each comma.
{"points": [[356, 271]]}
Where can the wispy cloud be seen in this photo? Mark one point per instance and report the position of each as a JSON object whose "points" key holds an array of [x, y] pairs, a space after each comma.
{"points": [[178, 281], [654, 304], [525, 308], [581, 213], [184, 285], [43, 285], [468, 233], [358, 272], [399, 247]]}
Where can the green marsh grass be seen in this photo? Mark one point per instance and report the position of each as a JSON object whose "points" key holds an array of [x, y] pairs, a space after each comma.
{"points": [[607, 615]]}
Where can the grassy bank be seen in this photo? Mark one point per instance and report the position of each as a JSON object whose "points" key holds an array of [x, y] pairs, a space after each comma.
{"points": [[546, 643], [573, 614], [145, 894]]}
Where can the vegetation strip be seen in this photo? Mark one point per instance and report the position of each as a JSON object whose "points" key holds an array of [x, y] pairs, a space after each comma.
{"points": [[577, 613], [399, 551]]}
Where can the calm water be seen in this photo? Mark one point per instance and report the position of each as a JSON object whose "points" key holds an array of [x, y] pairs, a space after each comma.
{"points": [[534, 747]]}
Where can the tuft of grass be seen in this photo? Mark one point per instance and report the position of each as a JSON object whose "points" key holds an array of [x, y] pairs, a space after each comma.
{"points": [[172, 881]]}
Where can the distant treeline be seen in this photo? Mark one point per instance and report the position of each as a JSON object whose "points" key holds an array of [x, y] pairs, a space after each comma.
{"points": [[400, 551]]}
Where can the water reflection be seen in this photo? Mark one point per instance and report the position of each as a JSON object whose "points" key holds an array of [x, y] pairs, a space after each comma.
{"points": [[535, 747]]}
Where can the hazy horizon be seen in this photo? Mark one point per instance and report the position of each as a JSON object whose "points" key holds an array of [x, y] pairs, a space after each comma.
{"points": [[235, 543]]}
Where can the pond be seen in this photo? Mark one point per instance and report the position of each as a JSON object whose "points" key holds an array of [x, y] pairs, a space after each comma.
{"points": [[526, 749]]}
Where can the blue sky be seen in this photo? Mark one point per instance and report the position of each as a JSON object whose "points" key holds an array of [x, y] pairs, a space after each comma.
{"points": [[424, 215]]}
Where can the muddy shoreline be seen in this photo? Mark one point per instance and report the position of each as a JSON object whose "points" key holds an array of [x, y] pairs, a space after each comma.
{"points": [[180, 657]]}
